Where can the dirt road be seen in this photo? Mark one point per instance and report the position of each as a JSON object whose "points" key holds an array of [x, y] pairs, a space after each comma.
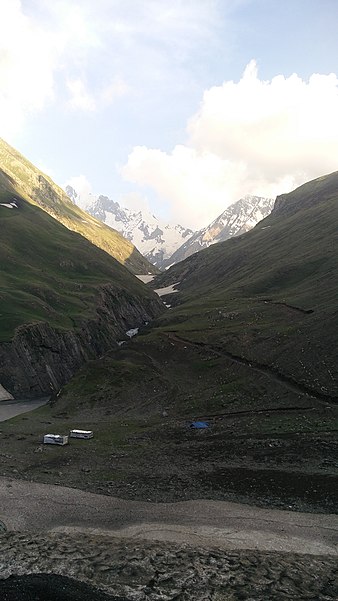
{"points": [[36, 507], [9, 409]]}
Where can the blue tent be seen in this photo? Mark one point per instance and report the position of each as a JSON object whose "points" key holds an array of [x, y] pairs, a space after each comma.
{"points": [[199, 425]]}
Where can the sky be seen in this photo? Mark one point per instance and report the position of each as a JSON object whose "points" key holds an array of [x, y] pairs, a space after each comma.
{"points": [[178, 107]]}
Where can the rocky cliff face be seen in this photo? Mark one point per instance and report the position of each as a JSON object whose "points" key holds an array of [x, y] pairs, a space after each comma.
{"points": [[4, 394], [41, 359]]}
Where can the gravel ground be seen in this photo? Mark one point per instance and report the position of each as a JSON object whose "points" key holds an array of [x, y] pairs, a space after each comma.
{"points": [[42, 507], [142, 571]]}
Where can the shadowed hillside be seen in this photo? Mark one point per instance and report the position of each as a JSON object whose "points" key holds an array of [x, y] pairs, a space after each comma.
{"points": [[269, 296], [285, 254]]}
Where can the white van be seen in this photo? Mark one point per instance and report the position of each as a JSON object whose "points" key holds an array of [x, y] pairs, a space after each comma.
{"points": [[81, 434], [55, 439]]}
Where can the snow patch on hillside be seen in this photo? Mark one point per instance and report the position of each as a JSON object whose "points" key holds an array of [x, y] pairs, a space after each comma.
{"points": [[9, 205], [167, 290]]}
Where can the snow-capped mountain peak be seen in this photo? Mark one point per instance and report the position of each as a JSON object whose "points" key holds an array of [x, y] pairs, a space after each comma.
{"points": [[165, 244], [155, 240], [237, 219]]}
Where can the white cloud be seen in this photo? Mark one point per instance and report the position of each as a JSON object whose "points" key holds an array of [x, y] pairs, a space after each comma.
{"points": [[116, 89], [195, 185], [281, 127], [176, 24], [28, 56], [37, 45], [85, 195], [84, 100], [135, 202], [250, 137], [80, 98], [91, 51]]}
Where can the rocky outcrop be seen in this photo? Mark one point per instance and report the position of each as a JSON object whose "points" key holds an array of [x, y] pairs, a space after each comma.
{"points": [[40, 359]]}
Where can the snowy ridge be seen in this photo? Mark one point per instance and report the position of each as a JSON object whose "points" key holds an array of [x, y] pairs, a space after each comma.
{"points": [[164, 244], [155, 240], [237, 219]]}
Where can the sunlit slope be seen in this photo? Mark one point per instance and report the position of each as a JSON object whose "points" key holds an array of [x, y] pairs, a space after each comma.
{"points": [[51, 274], [40, 189]]}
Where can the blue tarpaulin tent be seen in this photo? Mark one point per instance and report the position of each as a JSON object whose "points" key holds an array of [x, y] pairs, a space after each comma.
{"points": [[199, 425]]}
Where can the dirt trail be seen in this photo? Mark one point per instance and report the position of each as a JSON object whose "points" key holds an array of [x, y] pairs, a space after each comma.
{"points": [[9, 409], [259, 367], [292, 307], [36, 507]]}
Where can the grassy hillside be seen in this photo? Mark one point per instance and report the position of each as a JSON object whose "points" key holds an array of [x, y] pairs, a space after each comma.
{"points": [[49, 273], [39, 189], [250, 346]]}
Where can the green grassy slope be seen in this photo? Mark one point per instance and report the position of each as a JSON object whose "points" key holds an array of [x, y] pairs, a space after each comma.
{"points": [[41, 190], [48, 273]]}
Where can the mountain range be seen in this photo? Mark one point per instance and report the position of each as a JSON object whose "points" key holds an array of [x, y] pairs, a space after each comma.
{"points": [[274, 288], [165, 244], [155, 240]]}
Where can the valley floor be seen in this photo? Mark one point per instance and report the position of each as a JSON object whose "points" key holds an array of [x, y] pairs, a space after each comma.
{"points": [[251, 457], [149, 508]]}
